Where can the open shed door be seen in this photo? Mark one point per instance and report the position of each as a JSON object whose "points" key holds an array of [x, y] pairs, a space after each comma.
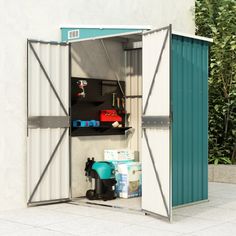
{"points": [[48, 142], [156, 151]]}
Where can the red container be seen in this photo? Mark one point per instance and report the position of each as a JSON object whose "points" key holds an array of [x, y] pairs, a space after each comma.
{"points": [[109, 116]]}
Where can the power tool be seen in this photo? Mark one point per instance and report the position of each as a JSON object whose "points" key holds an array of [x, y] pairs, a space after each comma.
{"points": [[81, 85], [103, 173]]}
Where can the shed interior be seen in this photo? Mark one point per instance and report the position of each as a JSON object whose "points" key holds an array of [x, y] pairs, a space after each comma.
{"points": [[108, 65]]}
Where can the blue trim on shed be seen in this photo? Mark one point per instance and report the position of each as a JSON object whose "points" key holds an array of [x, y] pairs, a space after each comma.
{"points": [[94, 32]]}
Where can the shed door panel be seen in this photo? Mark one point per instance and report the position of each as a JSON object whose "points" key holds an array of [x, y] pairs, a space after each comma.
{"points": [[48, 122], [156, 180]]}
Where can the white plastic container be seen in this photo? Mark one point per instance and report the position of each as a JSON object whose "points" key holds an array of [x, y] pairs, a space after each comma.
{"points": [[118, 155]]}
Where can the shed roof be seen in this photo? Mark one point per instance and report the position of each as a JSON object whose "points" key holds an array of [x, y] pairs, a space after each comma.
{"points": [[210, 40]]}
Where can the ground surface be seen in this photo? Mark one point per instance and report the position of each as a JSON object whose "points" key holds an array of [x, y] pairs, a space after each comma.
{"points": [[216, 217]]}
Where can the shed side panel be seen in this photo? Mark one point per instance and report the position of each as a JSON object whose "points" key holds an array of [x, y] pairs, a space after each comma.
{"points": [[190, 120]]}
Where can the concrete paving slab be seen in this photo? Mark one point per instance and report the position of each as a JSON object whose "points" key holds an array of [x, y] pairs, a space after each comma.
{"points": [[12, 227], [216, 217]]}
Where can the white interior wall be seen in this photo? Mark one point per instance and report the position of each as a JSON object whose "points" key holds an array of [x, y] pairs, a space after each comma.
{"points": [[24, 19], [133, 73], [89, 59]]}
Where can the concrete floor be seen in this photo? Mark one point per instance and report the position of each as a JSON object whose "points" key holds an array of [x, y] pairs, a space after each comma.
{"points": [[216, 217]]}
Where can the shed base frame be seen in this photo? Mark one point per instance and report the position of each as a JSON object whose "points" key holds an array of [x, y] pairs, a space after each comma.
{"points": [[82, 201], [49, 202], [117, 206], [190, 204]]}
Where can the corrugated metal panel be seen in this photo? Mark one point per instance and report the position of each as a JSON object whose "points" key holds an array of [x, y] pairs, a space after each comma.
{"points": [[133, 65], [42, 102], [156, 168], [190, 119]]}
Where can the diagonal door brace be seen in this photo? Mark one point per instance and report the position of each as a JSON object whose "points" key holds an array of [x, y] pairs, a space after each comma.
{"points": [[47, 165], [156, 70], [156, 172]]}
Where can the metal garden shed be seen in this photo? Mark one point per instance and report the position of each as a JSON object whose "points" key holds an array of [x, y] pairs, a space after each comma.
{"points": [[166, 95]]}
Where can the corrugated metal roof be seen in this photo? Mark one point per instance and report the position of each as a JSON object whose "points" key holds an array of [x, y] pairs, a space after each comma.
{"points": [[210, 40]]}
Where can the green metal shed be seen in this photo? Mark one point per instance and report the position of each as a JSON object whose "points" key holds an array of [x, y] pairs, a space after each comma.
{"points": [[166, 75], [190, 119]]}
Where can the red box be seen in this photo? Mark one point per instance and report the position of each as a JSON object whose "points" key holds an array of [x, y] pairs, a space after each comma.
{"points": [[109, 116]]}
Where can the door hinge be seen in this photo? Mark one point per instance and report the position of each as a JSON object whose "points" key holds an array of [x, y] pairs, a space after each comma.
{"points": [[45, 122], [155, 121]]}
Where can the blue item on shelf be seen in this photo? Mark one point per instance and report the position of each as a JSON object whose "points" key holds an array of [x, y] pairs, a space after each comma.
{"points": [[85, 123], [75, 123], [94, 123], [80, 123]]}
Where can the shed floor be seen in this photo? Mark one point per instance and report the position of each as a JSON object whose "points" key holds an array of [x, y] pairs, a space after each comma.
{"points": [[129, 204]]}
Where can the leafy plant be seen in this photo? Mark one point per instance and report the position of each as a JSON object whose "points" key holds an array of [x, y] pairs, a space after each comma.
{"points": [[219, 160], [216, 19]]}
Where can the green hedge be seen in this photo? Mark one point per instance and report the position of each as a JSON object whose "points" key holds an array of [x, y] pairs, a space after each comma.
{"points": [[217, 19]]}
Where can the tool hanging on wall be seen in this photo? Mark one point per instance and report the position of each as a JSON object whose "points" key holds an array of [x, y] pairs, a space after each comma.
{"points": [[113, 99], [82, 84], [118, 102], [123, 103]]}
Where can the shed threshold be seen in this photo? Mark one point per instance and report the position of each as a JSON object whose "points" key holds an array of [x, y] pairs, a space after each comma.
{"points": [[130, 204]]}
